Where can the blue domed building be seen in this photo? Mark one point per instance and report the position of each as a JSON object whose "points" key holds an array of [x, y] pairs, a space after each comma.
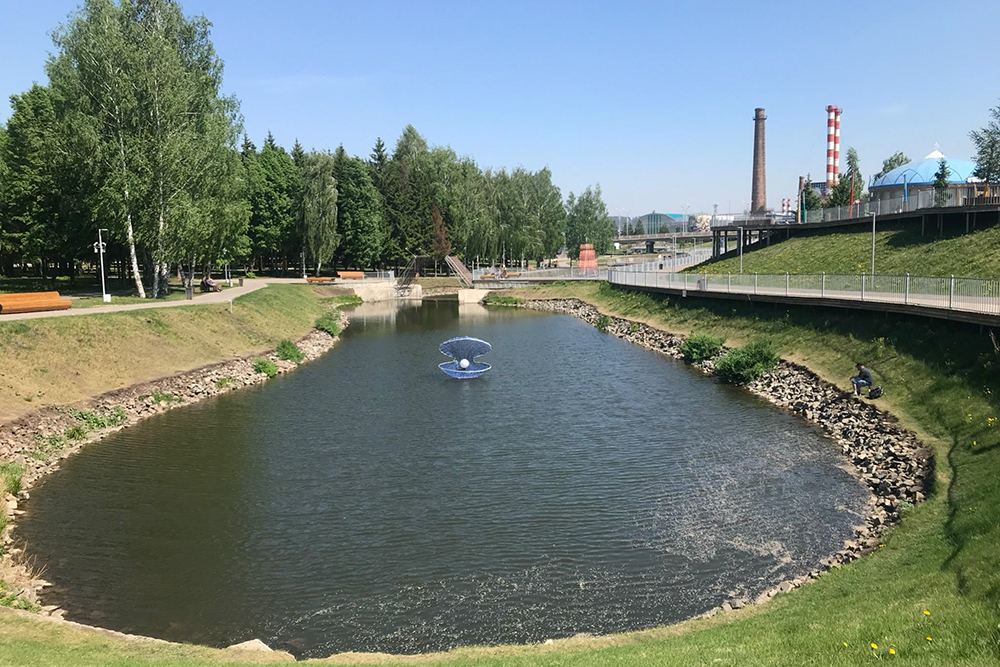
{"points": [[914, 182]]}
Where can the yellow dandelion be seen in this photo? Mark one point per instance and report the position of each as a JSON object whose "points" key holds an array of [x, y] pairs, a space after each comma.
{"points": [[892, 651], [874, 646], [926, 613], [845, 644], [929, 639]]}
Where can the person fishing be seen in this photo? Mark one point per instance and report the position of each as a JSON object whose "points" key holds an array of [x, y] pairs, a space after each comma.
{"points": [[864, 378]]}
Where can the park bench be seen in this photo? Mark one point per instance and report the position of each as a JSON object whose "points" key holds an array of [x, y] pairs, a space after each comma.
{"points": [[352, 275], [513, 275], [319, 279], [32, 302]]}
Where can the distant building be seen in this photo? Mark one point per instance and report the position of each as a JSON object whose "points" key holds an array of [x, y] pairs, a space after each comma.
{"points": [[662, 223], [914, 178], [620, 222]]}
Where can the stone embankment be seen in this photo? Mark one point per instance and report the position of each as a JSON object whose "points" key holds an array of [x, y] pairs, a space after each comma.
{"points": [[886, 458], [40, 441]]}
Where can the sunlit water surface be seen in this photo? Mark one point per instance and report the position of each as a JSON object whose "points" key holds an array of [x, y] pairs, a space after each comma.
{"points": [[368, 502]]}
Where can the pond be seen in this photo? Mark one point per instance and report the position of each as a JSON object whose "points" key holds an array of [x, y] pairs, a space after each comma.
{"points": [[368, 502]]}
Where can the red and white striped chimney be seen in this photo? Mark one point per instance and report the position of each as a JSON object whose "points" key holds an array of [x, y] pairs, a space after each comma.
{"points": [[836, 148], [831, 142]]}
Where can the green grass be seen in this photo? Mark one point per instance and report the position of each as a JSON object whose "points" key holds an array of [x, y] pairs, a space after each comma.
{"points": [[265, 367], [113, 350], [899, 249], [95, 422], [10, 478], [223, 382], [289, 351], [941, 379], [494, 299]]}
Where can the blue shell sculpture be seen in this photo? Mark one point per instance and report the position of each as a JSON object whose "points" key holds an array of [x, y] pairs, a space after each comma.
{"points": [[463, 352]]}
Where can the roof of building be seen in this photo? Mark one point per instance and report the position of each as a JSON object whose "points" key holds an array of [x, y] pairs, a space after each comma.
{"points": [[922, 172]]}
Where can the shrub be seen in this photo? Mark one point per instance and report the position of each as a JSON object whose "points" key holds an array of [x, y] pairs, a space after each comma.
{"points": [[745, 364], [289, 351], [10, 478], [699, 347], [164, 397], [265, 367], [46, 446], [498, 300], [251, 275], [328, 323], [76, 432], [222, 383], [603, 323], [95, 422]]}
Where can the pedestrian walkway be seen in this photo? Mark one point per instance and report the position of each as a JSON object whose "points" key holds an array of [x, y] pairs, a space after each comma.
{"points": [[961, 299], [249, 285]]}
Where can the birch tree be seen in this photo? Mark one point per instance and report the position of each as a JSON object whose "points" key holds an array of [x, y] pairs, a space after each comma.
{"points": [[95, 77], [318, 209]]}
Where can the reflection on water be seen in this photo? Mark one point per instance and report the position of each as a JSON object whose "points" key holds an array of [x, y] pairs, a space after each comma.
{"points": [[368, 502]]}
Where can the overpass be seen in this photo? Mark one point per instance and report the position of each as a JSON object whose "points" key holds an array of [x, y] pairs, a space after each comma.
{"points": [[664, 237], [921, 205]]}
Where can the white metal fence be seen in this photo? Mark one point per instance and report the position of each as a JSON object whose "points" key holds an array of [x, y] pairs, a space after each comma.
{"points": [[914, 200], [977, 295], [665, 263]]}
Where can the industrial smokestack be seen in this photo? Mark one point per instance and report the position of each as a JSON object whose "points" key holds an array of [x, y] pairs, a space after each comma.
{"points": [[758, 197], [832, 145], [836, 147]]}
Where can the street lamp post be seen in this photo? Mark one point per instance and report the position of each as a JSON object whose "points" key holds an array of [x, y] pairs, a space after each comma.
{"points": [[873, 249], [741, 250], [99, 249]]}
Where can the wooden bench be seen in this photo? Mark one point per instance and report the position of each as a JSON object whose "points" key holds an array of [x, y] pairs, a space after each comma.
{"points": [[32, 302], [351, 275], [319, 279]]}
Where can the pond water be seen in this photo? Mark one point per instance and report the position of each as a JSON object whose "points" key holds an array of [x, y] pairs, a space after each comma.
{"points": [[368, 502]]}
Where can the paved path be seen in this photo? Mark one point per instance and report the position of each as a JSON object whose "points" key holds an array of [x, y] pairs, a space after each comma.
{"points": [[983, 307], [249, 285]]}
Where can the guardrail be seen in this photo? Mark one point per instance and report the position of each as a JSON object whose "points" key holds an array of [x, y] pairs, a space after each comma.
{"points": [[915, 200], [576, 273], [976, 295]]}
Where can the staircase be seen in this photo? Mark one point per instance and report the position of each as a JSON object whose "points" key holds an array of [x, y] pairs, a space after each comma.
{"points": [[459, 269]]}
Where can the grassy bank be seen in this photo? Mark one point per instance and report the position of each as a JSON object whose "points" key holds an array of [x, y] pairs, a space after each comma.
{"points": [[941, 379], [899, 249], [55, 361]]}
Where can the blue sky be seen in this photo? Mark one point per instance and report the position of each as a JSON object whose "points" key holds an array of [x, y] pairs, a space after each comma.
{"points": [[654, 101]]}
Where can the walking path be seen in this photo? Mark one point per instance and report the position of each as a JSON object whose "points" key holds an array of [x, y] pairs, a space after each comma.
{"points": [[249, 285], [964, 300]]}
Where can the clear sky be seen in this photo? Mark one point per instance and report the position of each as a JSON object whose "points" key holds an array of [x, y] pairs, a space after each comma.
{"points": [[654, 101]]}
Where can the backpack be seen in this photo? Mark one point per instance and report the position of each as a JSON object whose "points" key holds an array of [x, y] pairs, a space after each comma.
{"points": [[876, 392]]}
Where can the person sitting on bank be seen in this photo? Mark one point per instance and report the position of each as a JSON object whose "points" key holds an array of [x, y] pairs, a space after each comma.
{"points": [[209, 285], [862, 379]]}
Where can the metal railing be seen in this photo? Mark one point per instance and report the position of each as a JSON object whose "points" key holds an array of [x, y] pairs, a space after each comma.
{"points": [[666, 263], [978, 295], [915, 200]]}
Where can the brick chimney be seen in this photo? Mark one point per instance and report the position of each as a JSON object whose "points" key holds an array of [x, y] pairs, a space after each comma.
{"points": [[758, 197]]}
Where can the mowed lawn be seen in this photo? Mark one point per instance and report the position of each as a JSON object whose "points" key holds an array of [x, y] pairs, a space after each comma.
{"points": [[899, 249], [931, 594]]}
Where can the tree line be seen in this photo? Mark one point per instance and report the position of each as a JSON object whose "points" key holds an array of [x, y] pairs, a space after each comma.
{"points": [[133, 134]]}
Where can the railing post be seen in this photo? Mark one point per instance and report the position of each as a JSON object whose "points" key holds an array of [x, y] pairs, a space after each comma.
{"points": [[729, 285], [755, 282], [951, 292], [862, 285], [822, 289], [906, 293], [704, 282], [786, 283]]}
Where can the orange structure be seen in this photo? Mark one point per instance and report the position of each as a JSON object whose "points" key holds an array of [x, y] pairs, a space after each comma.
{"points": [[588, 258]]}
